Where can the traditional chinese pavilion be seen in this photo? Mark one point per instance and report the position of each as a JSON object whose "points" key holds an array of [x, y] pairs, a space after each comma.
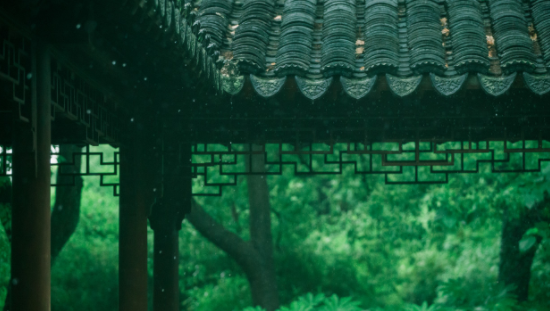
{"points": [[164, 79]]}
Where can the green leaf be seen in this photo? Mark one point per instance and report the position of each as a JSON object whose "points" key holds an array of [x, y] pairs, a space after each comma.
{"points": [[449, 221], [526, 243], [529, 200], [532, 231]]}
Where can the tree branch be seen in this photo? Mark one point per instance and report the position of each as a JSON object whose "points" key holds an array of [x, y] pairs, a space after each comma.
{"points": [[254, 257], [66, 210], [238, 249]]}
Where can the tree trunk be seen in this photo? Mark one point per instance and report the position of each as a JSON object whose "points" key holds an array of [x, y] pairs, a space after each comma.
{"points": [[515, 266], [66, 210], [255, 257], [263, 283]]}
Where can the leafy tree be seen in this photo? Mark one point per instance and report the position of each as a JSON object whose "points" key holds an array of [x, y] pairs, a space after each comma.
{"points": [[85, 273], [521, 235], [255, 257], [389, 248]]}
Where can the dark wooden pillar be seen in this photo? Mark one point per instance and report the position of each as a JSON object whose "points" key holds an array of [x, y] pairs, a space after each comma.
{"points": [[135, 201], [166, 278], [30, 270], [166, 218]]}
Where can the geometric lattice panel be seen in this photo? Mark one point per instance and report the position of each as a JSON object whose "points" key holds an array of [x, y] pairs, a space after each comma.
{"points": [[419, 162]]}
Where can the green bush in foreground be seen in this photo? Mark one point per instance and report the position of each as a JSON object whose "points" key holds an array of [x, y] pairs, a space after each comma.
{"points": [[453, 295]]}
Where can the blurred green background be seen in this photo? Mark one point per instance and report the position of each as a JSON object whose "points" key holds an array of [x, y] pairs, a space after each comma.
{"points": [[346, 242]]}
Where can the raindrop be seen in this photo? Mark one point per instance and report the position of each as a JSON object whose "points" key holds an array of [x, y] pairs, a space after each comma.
{"points": [[124, 65], [88, 111], [29, 75], [114, 62], [179, 110], [15, 281], [60, 207], [163, 290], [132, 120], [193, 100], [154, 189], [160, 252], [174, 257], [145, 79], [78, 26]]}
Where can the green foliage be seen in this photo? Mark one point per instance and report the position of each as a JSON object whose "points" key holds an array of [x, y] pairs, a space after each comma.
{"points": [[457, 294], [4, 265], [85, 275], [333, 303], [5, 216], [391, 248], [423, 307], [319, 302], [387, 245], [5, 249], [527, 243], [5, 204], [228, 291], [305, 303]]}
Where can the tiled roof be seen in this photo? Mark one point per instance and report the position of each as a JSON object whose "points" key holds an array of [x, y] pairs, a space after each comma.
{"points": [[357, 40]]}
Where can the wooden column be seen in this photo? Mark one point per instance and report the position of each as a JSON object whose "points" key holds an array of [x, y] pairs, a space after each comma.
{"points": [[135, 201], [30, 261], [166, 265], [166, 219]]}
